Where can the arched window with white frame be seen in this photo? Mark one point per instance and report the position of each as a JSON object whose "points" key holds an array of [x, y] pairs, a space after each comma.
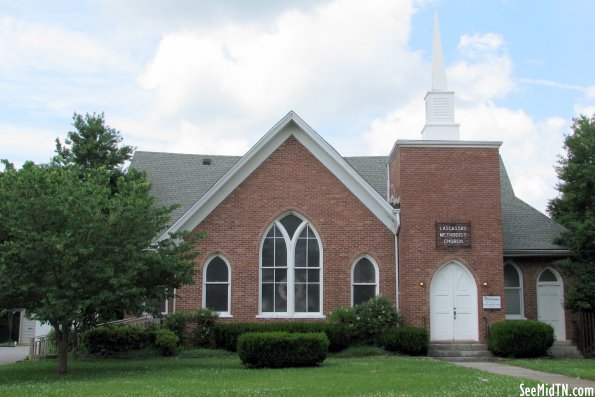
{"points": [[513, 291], [216, 288], [291, 269], [364, 280]]}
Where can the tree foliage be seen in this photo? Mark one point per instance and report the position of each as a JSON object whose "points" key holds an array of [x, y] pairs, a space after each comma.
{"points": [[76, 237], [77, 255], [94, 144], [574, 208]]}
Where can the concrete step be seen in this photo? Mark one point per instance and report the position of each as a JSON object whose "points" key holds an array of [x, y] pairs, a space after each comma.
{"points": [[460, 352], [458, 347], [564, 349], [465, 359]]}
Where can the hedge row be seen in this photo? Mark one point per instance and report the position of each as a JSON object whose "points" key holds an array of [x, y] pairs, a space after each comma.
{"points": [[106, 341], [282, 349], [406, 340], [227, 335], [520, 338]]}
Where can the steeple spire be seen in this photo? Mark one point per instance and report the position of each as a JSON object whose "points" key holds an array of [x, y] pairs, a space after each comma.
{"points": [[438, 72], [440, 108]]}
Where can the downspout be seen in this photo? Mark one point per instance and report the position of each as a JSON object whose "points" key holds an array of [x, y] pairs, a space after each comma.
{"points": [[398, 229], [174, 305]]}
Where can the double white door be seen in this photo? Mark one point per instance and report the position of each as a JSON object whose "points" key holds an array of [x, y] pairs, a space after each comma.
{"points": [[453, 304]]}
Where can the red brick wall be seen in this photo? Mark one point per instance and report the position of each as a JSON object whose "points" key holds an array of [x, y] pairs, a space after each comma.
{"points": [[531, 268], [447, 185], [291, 179]]}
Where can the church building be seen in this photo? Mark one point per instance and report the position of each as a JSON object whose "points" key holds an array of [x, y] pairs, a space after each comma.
{"points": [[296, 230]]}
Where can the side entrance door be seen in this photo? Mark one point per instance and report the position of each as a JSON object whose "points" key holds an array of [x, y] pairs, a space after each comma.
{"points": [[550, 302], [453, 304]]}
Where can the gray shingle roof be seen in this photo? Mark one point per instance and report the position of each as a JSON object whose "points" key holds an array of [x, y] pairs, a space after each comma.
{"points": [[183, 179], [525, 229], [373, 170]]}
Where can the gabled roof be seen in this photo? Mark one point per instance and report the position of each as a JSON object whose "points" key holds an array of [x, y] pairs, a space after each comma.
{"points": [[527, 232], [183, 179], [236, 170]]}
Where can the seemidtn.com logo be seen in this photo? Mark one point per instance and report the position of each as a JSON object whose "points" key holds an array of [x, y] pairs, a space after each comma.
{"points": [[555, 390]]}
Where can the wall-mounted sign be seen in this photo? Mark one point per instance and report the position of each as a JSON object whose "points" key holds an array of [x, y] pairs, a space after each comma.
{"points": [[453, 235], [492, 302]]}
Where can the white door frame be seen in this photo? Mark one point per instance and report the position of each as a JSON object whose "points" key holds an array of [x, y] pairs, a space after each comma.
{"points": [[559, 332], [443, 310]]}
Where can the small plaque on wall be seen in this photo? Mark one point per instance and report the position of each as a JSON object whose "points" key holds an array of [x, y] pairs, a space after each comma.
{"points": [[453, 235], [492, 302]]}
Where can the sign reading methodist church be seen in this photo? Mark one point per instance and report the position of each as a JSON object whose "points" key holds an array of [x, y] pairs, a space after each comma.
{"points": [[453, 235]]}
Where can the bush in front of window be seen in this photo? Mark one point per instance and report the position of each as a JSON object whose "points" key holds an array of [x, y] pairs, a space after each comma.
{"points": [[178, 323], [106, 341], [520, 338], [167, 342], [204, 333], [226, 335], [412, 341], [367, 322], [282, 349]]}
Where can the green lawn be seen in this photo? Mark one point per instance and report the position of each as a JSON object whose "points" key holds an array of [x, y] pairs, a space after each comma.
{"points": [[210, 375], [575, 367]]}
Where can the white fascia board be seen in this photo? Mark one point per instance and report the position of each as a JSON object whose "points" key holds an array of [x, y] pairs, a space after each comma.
{"points": [[262, 150], [236, 175], [353, 181], [422, 143]]}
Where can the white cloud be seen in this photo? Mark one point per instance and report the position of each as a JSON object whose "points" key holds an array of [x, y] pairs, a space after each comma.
{"points": [[485, 71], [44, 47], [40, 143], [343, 57]]}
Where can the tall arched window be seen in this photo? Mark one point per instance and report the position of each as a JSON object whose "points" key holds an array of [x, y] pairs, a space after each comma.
{"points": [[216, 291], [291, 269], [513, 291], [364, 280]]}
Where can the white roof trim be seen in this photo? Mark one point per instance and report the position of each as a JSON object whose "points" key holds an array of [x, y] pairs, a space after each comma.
{"points": [[289, 125]]}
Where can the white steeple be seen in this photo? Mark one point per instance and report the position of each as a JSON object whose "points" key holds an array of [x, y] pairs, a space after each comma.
{"points": [[440, 105]]}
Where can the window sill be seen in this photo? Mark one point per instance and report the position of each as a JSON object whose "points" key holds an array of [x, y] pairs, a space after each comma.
{"points": [[292, 316], [514, 317], [225, 315]]}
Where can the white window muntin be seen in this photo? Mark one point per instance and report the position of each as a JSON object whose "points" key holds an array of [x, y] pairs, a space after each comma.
{"points": [[291, 245], [518, 290], [376, 282], [226, 313]]}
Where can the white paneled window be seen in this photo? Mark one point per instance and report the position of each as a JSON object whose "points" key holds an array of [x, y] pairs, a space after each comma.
{"points": [[513, 291], [217, 291], [291, 269], [364, 280]]}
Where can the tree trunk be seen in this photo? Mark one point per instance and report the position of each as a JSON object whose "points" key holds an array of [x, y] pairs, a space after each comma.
{"points": [[62, 342]]}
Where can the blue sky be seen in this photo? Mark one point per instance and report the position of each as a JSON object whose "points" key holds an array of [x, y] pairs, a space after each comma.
{"points": [[213, 76]]}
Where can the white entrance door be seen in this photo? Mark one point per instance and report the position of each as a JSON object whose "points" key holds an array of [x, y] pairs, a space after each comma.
{"points": [[453, 304], [550, 302]]}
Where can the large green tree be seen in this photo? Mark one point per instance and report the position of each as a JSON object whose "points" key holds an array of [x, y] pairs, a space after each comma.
{"points": [[574, 208], [77, 254], [93, 144]]}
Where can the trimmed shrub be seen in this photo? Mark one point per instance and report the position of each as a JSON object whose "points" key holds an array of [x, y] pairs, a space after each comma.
{"points": [[204, 333], [177, 322], [226, 335], [367, 322], [167, 342], [520, 338], [106, 341], [407, 340], [282, 349]]}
